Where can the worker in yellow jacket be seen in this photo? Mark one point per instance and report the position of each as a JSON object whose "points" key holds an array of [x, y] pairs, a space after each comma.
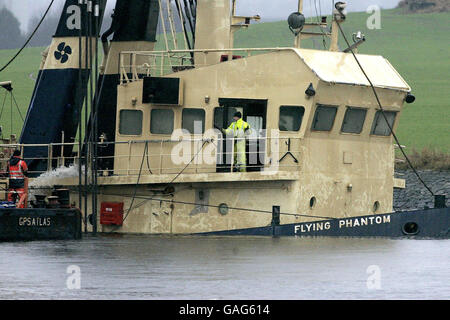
{"points": [[239, 129]]}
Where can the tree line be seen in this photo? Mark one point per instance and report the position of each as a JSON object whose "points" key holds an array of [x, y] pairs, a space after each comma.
{"points": [[12, 37]]}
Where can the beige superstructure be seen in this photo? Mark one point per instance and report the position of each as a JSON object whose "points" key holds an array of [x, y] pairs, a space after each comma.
{"points": [[325, 153]]}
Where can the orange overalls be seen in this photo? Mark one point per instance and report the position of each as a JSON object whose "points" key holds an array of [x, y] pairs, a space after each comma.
{"points": [[17, 181]]}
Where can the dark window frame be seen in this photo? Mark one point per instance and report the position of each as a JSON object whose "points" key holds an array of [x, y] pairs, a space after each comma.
{"points": [[378, 115], [120, 122], [291, 107], [204, 119], [173, 120], [336, 107], [363, 123]]}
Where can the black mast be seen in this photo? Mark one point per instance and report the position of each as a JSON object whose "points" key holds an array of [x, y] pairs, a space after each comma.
{"points": [[80, 126]]}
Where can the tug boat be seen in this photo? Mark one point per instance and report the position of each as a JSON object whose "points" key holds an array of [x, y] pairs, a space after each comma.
{"points": [[145, 144]]}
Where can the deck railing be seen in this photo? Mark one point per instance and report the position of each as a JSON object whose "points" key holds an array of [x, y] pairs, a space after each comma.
{"points": [[153, 157], [134, 64]]}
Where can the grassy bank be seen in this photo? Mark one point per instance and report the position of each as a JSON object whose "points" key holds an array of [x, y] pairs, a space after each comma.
{"points": [[22, 73], [426, 159], [416, 46]]}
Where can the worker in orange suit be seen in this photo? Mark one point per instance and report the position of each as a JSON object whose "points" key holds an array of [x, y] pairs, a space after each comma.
{"points": [[17, 171]]}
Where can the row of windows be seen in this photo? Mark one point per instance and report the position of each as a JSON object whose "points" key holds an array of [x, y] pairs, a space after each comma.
{"points": [[291, 120], [161, 121], [291, 117], [353, 120]]}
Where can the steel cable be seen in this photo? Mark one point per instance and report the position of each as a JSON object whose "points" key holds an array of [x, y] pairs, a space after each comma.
{"points": [[382, 111]]}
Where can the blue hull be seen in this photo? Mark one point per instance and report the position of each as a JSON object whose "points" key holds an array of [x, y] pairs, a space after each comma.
{"points": [[39, 224], [430, 223]]}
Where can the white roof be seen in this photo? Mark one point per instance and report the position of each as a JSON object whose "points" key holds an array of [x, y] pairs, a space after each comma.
{"points": [[339, 67]]}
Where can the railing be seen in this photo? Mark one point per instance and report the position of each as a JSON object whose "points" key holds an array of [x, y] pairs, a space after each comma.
{"points": [[133, 64], [157, 157], [52, 160]]}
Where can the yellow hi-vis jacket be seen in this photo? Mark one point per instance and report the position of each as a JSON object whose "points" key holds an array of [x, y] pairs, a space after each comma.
{"points": [[239, 129]]}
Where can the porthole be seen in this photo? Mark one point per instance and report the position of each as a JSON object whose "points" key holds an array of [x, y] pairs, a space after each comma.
{"points": [[376, 206], [223, 209], [312, 202], [410, 228]]}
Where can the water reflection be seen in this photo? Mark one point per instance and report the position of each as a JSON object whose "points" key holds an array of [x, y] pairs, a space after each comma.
{"points": [[150, 267]]}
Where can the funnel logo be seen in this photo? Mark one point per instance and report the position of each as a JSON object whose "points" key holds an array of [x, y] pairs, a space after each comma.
{"points": [[63, 52]]}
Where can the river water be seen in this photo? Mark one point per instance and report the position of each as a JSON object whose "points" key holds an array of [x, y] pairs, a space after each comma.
{"points": [[147, 267]]}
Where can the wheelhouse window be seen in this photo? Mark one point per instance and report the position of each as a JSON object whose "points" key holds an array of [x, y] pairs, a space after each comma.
{"points": [[218, 116], [380, 126], [291, 118], [193, 120], [161, 121], [130, 122], [354, 120], [324, 118]]}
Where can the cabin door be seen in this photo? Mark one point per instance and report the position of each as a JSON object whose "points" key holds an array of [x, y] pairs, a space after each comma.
{"points": [[254, 112]]}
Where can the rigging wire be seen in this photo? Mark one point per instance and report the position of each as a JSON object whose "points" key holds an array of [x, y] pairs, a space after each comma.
{"points": [[11, 115], [17, 106], [319, 21], [172, 24], [217, 206], [145, 155], [190, 17], [163, 25], [140, 173], [3, 106], [137, 182], [29, 38], [13, 100], [136, 185], [148, 162], [382, 111], [81, 190], [193, 158], [183, 25]]}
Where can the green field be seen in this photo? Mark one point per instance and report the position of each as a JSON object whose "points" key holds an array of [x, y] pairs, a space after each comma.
{"points": [[416, 45]]}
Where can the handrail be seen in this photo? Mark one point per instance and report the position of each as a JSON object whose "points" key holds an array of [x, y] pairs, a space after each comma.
{"points": [[130, 155], [210, 50], [165, 65]]}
